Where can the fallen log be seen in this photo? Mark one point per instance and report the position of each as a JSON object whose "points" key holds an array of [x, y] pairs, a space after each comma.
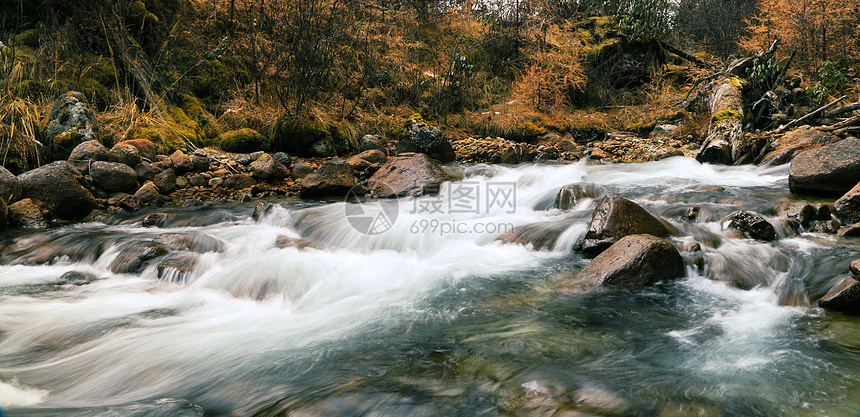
{"points": [[854, 121], [842, 110], [809, 115], [686, 55]]}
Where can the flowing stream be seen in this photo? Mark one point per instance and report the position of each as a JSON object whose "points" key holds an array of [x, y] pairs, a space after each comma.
{"points": [[433, 316]]}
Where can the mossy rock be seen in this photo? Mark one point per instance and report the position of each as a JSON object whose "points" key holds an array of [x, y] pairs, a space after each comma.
{"points": [[206, 79], [304, 137], [139, 15], [206, 127], [242, 141], [29, 37], [527, 131], [146, 133], [725, 114], [641, 127]]}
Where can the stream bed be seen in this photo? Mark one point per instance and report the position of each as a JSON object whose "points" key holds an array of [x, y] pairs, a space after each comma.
{"points": [[412, 307]]}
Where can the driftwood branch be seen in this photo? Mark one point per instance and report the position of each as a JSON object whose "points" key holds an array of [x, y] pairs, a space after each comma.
{"points": [[686, 55], [810, 115], [842, 110], [854, 121]]}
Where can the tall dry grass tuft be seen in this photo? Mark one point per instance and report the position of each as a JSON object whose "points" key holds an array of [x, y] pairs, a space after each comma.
{"points": [[20, 148]]}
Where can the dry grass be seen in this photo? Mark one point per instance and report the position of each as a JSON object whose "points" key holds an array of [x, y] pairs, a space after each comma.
{"points": [[19, 133]]}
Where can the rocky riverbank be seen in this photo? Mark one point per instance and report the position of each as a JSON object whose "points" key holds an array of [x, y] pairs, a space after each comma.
{"points": [[628, 244]]}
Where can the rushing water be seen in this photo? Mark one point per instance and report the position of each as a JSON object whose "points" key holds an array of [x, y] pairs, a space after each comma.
{"points": [[433, 317]]}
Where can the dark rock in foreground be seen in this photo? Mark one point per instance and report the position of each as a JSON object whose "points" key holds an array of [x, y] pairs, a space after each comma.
{"points": [[752, 225], [828, 171], [58, 187], [843, 297], [635, 260], [616, 217]]}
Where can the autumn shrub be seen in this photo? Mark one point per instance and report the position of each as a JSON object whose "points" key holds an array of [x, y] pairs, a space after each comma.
{"points": [[816, 30], [555, 73]]}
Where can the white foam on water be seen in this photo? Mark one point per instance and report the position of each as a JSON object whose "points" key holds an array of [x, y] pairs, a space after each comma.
{"points": [[126, 338], [14, 394]]}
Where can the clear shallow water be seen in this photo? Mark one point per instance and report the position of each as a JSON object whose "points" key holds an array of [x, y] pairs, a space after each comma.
{"points": [[436, 321]]}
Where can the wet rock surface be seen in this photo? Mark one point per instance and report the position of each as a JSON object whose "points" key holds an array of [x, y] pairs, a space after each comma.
{"points": [[616, 217], [635, 260], [404, 176]]}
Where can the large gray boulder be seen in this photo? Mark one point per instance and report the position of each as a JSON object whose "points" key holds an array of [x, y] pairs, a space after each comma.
{"points": [[407, 176], [616, 217], [10, 187], [635, 260], [783, 149], [59, 187], [333, 178], [70, 123], [830, 170], [113, 177], [420, 137]]}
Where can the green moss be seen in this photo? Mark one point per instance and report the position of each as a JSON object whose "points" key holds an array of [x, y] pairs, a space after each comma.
{"points": [[304, 137], [737, 82], [147, 133], [137, 10], [640, 127], [206, 127], [725, 114], [242, 141], [28, 37], [525, 130], [104, 71]]}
